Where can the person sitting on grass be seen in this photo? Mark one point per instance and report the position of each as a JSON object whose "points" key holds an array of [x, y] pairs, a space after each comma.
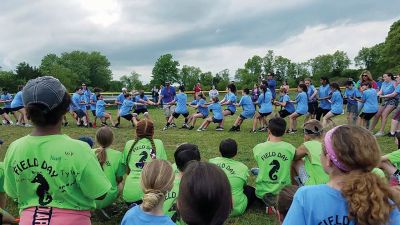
{"points": [[284, 201], [264, 101], [390, 163], [181, 108], [284, 101], [202, 111], [156, 181], [45, 194], [307, 164], [217, 117], [183, 155], [243, 195], [248, 110], [274, 158], [101, 111]]}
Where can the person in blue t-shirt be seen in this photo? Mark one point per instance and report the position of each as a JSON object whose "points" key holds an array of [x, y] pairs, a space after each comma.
{"points": [[118, 101], [323, 96], [101, 111], [142, 108], [351, 94], [350, 153], [167, 96], [388, 103], [202, 111], [93, 101], [396, 114], [336, 105], [301, 109], [264, 102], [271, 84], [370, 100], [181, 109], [312, 99], [217, 117], [229, 100], [75, 107], [87, 94], [7, 98], [126, 109], [17, 105], [284, 101], [248, 110]]}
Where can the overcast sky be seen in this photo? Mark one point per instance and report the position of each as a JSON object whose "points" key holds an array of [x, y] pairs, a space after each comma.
{"points": [[210, 34]]}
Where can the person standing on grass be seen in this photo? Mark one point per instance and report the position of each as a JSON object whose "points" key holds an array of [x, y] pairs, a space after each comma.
{"points": [[271, 84], [197, 89], [36, 166], [154, 93], [218, 116], [323, 96], [351, 93], [312, 99], [77, 109], [101, 112], [370, 104], [336, 102], [202, 110], [167, 96], [93, 101], [181, 109], [229, 100], [264, 102], [7, 98], [17, 105], [120, 99], [301, 108], [284, 101], [248, 110], [396, 115], [213, 92]]}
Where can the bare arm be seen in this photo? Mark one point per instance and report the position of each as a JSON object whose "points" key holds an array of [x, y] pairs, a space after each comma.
{"points": [[301, 151]]}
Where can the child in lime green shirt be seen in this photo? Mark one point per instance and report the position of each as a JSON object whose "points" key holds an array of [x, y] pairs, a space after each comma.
{"points": [[390, 163], [111, 162], [274, 158], [184, 154], [307, 165], [237, 173]]}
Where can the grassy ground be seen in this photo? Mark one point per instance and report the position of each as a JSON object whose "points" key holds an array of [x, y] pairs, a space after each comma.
{"points": [[207, 141]]}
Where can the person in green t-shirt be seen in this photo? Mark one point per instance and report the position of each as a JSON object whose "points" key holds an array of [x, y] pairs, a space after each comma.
{"points": [[136, 153], [111, 162], [307, 164], [242, 194], [274, 158], [53, 177], [184, 154], [390, 163]]}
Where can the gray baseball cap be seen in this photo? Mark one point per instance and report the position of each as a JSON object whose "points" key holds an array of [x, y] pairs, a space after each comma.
{"points": [[45, 90]]}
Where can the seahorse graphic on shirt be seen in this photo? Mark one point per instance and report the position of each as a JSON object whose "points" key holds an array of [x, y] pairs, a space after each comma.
{"points": [[42, 190], [275, 167]]}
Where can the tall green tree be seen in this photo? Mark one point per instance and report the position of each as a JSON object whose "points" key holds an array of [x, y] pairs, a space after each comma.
{"points": [[189, 76], [281, 65], [25, 72], [132, 81], [369, 58], [165, 69], [340, 62], [391, 49], [269, 61], [9, 80]]}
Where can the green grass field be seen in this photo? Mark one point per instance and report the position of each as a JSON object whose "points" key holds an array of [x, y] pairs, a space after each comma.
{"points": [[208, 142]]}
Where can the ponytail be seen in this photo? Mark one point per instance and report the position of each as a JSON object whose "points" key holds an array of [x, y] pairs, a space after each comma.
{"points": [[153, 151], [101, 154], [105, 138], [151, 199], [370, 199]]}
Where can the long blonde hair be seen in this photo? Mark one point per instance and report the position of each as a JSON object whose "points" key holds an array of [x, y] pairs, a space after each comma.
{"points": [[104, 137], [369, 75], [156, 181], [370, 199]]}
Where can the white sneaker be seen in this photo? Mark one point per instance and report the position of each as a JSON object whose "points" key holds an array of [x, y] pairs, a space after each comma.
{"points": [[379, 134], [11, 123], [28, 125], [134, 114], [146, 114], [4, 122], [165, 128], [200, 129]]}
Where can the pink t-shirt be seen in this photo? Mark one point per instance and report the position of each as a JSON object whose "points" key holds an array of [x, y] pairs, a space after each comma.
{"points": [[54, 216]]}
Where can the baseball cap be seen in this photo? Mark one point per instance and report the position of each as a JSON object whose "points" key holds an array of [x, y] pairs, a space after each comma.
{"points": [[124, 89], [46, 90]]}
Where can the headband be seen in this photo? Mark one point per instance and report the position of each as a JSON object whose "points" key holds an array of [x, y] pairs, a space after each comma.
{"points": [[331, 152]]}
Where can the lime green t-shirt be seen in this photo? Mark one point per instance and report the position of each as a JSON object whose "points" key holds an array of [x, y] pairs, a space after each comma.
{"points": [[112, 168], [237, 174], [379, 172], [274, 160], [140, 154], [312, 164], [1, 177], [394, 158], [169, 207], [54, 171]]}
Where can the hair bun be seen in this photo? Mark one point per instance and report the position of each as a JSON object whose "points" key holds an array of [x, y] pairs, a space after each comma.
{"points": [[151, 199]]}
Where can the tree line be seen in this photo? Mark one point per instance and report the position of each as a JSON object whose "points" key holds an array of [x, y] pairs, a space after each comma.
{"points": [[93, 68]]}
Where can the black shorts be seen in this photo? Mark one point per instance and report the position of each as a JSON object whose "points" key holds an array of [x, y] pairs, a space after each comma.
{"points": [[232, 113], [138, 111], [312, 108], [8, 110], [94, 113], [284, 113], [216, 121], [367, 116], [80, 113], [17, 108], [264, 114], [2, 111], [176, 115], [88, 107], [127, 117]]}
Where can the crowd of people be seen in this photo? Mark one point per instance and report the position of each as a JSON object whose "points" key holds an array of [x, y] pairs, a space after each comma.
{"points": [[340, 171]]}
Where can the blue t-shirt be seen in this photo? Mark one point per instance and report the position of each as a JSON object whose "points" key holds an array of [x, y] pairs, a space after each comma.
{"points": [[232, 99], [370, 99], [83, 101], [352, 93], [216, 110], [138, 98], [337, 102], [289, 106], [168, 94], [93, 100], [87, 95], [310, 91], [194, 102], [75, 102], [321, 204], [126, 107], [100, 108], [181, 99], [272, 87], [323, 92], [248, 106], [302, 103], [387, 88], [136, 216], [264, 101], [6, 97], [397, 90], [17, 101], [202, 110], [120, 99]]}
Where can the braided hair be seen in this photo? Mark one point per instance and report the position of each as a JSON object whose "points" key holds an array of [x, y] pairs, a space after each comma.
{"points": [[144, 129]]}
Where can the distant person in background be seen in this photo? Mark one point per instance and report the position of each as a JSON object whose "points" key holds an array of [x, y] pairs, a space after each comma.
{"points": [[255, 93], [312, 99], [167, 96], [86, 94], [285, 85], [213, 92], [197, 89], [17, 105], [323, 96], [93, 101], [379, 82], [7, 98], [159, 93], [366, 76], [271, 84], [155, 94], [120, 99]]}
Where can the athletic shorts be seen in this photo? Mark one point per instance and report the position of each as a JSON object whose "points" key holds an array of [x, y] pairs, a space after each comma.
{"points": [[246, 115], [168, 110], [299, 114], [94, 112], [396, 114], [367, 116], [176, 115], [352, 108], [216, 120], [284, 113], [2, 111], [231, 112], [127, 117], [312, 108], [390, 101], [139, 111], [100, 115], [264, 114], [80, 113], [17, 108], [88, 107], [49, 215], [204, 116], [8, 110]]}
